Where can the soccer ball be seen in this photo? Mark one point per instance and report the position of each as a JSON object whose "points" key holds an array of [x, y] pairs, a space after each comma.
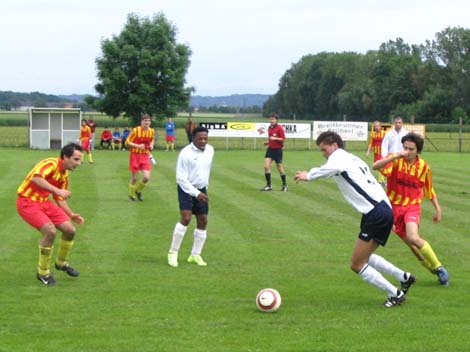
{"points": [[268, 300]]}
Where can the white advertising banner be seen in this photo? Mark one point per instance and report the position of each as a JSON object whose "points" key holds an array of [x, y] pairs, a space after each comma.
{"points": [[255, 129], [348, 130]]}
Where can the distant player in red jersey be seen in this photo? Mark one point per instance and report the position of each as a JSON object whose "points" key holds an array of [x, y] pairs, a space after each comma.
{"points": [[51, 176], [375, 143], [92, 124], [275, 144], [85, 138], [409, 178], [140, 142]]}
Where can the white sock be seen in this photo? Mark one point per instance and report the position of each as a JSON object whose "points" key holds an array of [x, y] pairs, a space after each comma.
{"points": [[199, 240], [178, 235], [373, 277], [385, 267]]}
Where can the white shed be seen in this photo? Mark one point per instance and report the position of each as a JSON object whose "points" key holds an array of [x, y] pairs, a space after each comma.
{"points": [[52, 128]]}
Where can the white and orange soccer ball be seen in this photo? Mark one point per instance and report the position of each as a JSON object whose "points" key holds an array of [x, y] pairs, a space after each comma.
{"points": [[268, 300]]}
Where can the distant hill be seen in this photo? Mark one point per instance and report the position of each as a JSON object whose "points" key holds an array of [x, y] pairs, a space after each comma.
{"points": [[12, 100], [234, 100]]}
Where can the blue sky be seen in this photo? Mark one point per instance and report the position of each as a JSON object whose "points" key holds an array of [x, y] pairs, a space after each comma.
{"points": [[238, 47]]}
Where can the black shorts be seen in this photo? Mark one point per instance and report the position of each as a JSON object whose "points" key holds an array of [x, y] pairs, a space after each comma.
{"points": [[377, 224], [274, 154], [188, 202]]}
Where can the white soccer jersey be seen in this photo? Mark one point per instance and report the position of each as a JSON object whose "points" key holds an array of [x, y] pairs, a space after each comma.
{"points": [[193, 168], [355, 181], [392, 141]]}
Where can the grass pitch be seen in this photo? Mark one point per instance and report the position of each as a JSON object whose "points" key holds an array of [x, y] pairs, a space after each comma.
{"points": [[128, 299]]}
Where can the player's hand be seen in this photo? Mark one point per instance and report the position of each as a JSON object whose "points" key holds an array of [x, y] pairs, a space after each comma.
{"points": [[265, 143], [437, 217], [64, 193], [78, 219], [202, 197], [300, 176]]}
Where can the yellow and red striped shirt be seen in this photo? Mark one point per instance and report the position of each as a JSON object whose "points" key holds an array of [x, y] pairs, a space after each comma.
{"points": [[51, 170], [408, 183], [140, 136], [376, 142], [85, 133]]}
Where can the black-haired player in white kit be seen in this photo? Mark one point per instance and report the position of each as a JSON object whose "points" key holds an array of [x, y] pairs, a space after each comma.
{"points": [[364, 193]]}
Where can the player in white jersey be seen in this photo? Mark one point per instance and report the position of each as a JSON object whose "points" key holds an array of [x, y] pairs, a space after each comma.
{"points": [[192, 176], [364, 193]]}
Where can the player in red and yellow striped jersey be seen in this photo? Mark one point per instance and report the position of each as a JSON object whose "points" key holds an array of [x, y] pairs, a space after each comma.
{"points": [[51, 176], [85, 139], [375, 143], [140, 143], [409, 178]]}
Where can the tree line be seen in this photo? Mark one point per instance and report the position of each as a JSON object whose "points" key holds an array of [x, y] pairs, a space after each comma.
{"points": [[427, 83]]}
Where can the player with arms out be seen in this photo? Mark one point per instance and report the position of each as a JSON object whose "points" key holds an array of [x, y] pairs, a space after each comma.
{"points": [[51, 176], [409, 178], [275, 144], [192, 177], [85, 139], [363, 192], [140, 143]]}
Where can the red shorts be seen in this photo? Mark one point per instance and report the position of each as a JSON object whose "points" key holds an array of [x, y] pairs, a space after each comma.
{"points": [[170, 139], [38, 214], [139, 161], [403, 215], [86, 145]]}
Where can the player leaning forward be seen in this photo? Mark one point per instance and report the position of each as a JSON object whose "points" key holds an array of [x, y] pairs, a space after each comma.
{"points": [[50, 176], [363, 192], [192, 177]]}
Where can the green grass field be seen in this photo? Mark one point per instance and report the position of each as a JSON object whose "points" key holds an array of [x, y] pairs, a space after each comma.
{"points": [[128, 299]]}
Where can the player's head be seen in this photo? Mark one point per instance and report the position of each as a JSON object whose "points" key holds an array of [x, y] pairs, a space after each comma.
{"points": [[398, 123], [84, 122], [328, 142], [415, 139], [200, 137], [145, 120], [273, 118], [71, 155], [377, 126]]}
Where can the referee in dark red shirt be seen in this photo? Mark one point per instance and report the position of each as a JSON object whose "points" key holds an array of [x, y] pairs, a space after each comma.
{"points": [[275, 144]]}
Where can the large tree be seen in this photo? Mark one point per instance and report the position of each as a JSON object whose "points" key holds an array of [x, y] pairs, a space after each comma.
{"points": [[142, 70]]}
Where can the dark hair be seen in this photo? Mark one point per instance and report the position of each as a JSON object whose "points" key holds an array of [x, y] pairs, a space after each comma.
{"points": [[415, 138], [199, 129], [273, 114], [330, 137], [68, 150], [146, 116]]}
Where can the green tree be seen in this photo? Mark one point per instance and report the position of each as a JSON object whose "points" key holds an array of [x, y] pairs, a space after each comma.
{"points": [[142, 70]]}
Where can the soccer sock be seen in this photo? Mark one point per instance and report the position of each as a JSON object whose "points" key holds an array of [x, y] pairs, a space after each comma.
{"points": [[172, 146], [178, 235], [44, 263], [167, 146], [430, 256], [283, 178], [140, 186], [131, 190], [90, 157], [373, 277], [384, 266], [427, 265], [268, 178], [199, 240], [65, 248]]}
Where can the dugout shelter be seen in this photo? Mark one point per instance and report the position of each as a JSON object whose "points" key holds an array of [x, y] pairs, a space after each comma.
{"points": [[52, 128]]}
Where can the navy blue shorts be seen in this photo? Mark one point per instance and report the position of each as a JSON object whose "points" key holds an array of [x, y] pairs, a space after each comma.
{"points": [[274, 154], [188, 202], [377, 224]]}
